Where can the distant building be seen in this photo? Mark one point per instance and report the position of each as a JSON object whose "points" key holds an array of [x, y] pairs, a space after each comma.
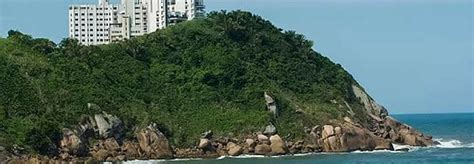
{"points": [[105, 22]]}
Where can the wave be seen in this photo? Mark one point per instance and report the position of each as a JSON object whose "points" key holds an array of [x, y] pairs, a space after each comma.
{"points": [[137, 161], [376, 151], [452, 143], [443, 143]]}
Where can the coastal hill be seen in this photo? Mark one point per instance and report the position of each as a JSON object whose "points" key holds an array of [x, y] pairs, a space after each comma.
{"points": [[233, 75]]}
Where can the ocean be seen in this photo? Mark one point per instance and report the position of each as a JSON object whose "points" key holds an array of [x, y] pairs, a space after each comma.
{"points": [[455, 132]]}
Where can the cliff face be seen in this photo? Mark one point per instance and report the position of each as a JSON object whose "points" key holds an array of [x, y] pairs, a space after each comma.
{"points": [[382, 125], [259, 89]]}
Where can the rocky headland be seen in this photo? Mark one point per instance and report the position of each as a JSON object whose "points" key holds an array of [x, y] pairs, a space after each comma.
{"points": [[226, 85]]}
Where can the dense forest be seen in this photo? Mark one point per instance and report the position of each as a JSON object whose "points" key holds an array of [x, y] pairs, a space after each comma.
{"points": [[204, 74]]}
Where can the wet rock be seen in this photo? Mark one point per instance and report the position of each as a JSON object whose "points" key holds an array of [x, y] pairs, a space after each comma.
{"points": [[383, 144], [403, 149]]}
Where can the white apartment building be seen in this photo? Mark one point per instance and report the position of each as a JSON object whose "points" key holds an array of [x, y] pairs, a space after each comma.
{"points": [[106, 22]]}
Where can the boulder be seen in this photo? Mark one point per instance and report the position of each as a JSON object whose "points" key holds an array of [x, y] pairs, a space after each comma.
{"points": [[270, 130], [108, 125], [403, 134], [271, 104], [111, 144], [34, 160], [72, 144], [263, 149], [383, 144], [348, 137], [100, 155], [131, 150], [337, 130], [204, 144], [263, 139], [154, 143], [296, 147], [234, 149], [278, 146], [250, 142]]}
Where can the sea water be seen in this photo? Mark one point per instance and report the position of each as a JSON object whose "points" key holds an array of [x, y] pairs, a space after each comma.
{"points": [[455, 132]]}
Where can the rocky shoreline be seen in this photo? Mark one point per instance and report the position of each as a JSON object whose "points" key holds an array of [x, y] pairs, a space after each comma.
{"points": [[152, 144], [101, 138]]}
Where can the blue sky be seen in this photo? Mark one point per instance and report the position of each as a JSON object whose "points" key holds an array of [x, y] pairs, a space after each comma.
{"points": [[412, 56]]}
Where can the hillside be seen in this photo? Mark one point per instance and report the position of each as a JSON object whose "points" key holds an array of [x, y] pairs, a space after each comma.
{"points": [[205, 74]]}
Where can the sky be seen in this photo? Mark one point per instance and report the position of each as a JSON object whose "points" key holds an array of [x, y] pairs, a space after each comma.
{"points": [[412, 56]]}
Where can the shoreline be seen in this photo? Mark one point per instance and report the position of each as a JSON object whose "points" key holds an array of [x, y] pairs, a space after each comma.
{"points": [[443, 145]]}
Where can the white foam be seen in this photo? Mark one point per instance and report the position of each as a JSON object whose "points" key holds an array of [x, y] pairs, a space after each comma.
{"points": [[160, 160], [449, 143], [452, 143], [376, 151], [249, 156]]}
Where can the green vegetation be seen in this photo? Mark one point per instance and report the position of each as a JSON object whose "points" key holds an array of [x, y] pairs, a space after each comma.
{"points": [[205, 74]]}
